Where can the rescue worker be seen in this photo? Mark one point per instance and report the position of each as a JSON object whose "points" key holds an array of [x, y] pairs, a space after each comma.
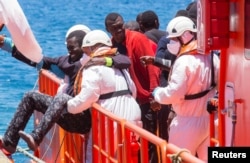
{"points": [[191, 74], [100, 82]]}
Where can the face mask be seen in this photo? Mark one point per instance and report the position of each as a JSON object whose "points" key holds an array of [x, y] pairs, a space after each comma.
{"points": [[174, 47], [186, 37], [85, 58]]}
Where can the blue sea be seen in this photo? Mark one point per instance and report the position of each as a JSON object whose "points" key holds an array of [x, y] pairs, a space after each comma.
{"points": [[49, 21]]}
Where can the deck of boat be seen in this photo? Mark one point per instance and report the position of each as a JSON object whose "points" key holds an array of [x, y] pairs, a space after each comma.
{"points": [[4, 159]]}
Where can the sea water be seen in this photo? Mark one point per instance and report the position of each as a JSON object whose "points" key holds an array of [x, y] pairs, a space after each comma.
{"points": [[49, 21]]}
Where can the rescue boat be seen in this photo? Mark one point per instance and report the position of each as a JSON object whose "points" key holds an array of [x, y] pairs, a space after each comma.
{"points": [[223, 25]]}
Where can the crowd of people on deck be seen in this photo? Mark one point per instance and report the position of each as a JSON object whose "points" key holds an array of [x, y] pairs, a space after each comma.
{"points": [[157, 77]]}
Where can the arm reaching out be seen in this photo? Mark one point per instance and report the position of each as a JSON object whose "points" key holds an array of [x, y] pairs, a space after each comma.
{"points": [[118, 61], [164, 64]]}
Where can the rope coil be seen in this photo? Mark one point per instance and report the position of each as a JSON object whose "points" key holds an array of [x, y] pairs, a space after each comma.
{"points": [[175, 158]]}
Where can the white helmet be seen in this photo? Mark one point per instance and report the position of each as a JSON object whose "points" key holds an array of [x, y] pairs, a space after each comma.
{"points": [[80, 27], [96, 36], [178, 25]]}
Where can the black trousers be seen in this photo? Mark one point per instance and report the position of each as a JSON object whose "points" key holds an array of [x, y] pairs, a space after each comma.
{"points": [[53, 109], [163, 124], [156, 123], [149, 121]]}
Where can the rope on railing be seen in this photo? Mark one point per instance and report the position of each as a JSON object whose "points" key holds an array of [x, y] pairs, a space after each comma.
{"points": [[26, 153], [176, 157]]}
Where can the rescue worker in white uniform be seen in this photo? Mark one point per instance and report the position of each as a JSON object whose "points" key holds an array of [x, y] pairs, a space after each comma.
{"points": [[100, 84], [190, 74]]}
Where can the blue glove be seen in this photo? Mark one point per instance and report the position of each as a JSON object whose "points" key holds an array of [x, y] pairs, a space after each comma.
{"points": [[57, 71], [153, 93], [39, 65], [8, 44]]}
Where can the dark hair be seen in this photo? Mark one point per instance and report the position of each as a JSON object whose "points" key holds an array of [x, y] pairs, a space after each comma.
{"points": [[132, 25], [111, 17], [190, 5], [181, 13], [149, 19], [138, 17], [192, 12], [78, 34]]}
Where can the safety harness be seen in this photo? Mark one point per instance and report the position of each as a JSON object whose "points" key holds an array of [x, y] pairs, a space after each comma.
{"points": [[116, 93], [212, 86], [191, 50]]}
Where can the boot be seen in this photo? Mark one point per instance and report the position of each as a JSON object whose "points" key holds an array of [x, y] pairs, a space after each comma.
{"points": [[29, 140]]}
